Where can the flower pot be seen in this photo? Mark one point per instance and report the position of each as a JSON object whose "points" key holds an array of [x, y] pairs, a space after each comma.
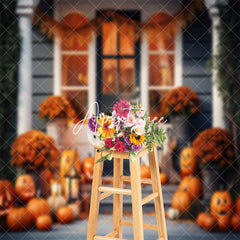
{"points": [[56, 129], [214, 179], [41, 182], [182, 131]]}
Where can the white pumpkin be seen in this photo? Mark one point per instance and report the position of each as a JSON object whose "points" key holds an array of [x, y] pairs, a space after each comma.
{"points": [[173, 214], [55, 202], [76, 209]]}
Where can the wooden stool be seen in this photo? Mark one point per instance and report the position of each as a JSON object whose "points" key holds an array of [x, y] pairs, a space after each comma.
{"points": [[100, 192]]}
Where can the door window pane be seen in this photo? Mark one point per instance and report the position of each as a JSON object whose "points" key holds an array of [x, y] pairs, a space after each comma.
{"points": [[109, 76], [109, 35], [127, 75], [161, 70], [74, 70], [127, 39], [78, 100]]}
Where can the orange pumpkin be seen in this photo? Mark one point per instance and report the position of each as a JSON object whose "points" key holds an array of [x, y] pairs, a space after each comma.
{"points": [[181, 200], [206, 221], [237, 205], [25, 188], [163, 178], [65, 214], [44, 223], [224, 222], [192, 185], [235, 222], [7, 197], [221, 204], [87, 167], [188, 163], [19, 219], [145, 171], [38, 207]]}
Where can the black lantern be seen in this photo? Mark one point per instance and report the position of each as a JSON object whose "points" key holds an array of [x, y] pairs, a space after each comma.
{"points": [[72, 183]]}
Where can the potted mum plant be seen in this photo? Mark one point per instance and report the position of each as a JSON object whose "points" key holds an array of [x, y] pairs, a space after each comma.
{"points": [[179, 105], [35, 153], [57, 111], [213, 149]]}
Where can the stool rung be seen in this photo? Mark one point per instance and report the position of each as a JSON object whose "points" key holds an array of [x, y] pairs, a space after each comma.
{"points": [[143, 180], [107, 238], [115, 190], [145, 225], [149, 198], [112, 234], [104, 195]]}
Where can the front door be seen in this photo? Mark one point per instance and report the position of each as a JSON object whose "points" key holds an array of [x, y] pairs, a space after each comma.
{"points": [[118, 59]]}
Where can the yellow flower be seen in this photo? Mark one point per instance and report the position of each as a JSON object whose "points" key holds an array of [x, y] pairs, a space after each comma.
{"points": [[137, 139], [104, 129]]}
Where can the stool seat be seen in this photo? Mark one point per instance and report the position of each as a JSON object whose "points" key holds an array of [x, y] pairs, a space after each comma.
{"points": [[99, 192]]}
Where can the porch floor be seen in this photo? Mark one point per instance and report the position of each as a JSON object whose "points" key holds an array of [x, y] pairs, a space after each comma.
{"points": [[177, 230]]}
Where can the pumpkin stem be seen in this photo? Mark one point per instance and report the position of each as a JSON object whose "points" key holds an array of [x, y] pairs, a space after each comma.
{"points": [[38, 193]]}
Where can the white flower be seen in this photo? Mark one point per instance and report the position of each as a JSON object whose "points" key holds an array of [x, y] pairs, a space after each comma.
{"points": [[138, 129], [94, 138]]}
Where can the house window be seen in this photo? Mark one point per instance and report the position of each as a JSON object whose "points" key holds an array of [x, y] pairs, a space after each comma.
{"points": [[74, 70], [118, 62], [162, 62]]}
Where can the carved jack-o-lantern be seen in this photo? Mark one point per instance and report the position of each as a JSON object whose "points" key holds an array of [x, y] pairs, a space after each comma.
{"points": [[7, 197], [221, 204], [188, 163], [25, 188]]}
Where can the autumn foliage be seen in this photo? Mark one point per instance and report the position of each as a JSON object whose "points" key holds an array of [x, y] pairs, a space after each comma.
{"points": [[181, 100], [33, 150], [56, 107]]}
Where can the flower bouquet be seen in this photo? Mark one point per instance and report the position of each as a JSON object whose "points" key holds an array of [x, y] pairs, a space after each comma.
{"points": [[56, 107], [128, 129], [181, 101]]}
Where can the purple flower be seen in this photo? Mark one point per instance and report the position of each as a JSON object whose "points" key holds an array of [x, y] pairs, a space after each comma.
{"points": [[136, 148], [126, 148], [92, 124], [127, 140]]}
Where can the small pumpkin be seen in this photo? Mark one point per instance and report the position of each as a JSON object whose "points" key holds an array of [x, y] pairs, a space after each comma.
{"points": [[19, 219], [38, 207], [224, 222], [25, 187], [163, 178], [181, 200], [188, 163], [87, 167], [44, 223], [192, 185], [7, 197], [55, 202], [237, 205], [235, 222], [206, 221], [173, 213], [221, 204], [145, 171], [65, 214]]}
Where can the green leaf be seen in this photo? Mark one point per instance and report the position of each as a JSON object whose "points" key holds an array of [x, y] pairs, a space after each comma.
{"points": [[106, 157], [104, 148]]}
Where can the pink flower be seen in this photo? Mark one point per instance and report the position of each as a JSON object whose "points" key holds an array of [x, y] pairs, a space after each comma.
{"points": [[109, 143], [122, 108], [140, 122], [140, 113], [131, 120], [120, 147]]}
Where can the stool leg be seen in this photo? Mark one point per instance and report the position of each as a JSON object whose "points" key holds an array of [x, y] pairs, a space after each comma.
{"points": [[158, 202], [117, 198], [136, 199], [94, 206]]}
